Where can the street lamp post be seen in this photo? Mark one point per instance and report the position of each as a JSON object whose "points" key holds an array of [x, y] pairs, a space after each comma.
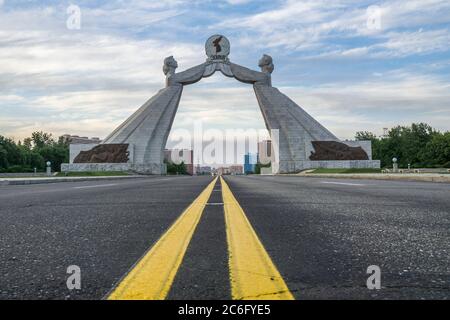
{"points": [[49, 168], [394, 165]]}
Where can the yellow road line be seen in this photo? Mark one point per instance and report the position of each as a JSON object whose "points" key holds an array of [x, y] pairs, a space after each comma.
{"points": [[253, 275], [153, 275]]}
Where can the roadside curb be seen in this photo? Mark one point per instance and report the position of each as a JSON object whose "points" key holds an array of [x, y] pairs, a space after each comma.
{"points": [[16, 182], [441, 178]]}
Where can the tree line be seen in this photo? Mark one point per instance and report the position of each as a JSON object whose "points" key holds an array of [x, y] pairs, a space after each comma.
{"points": [[418, 145], [33, 152]]}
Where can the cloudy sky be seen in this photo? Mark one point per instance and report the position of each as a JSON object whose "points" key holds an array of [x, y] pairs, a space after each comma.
{"points": [[354, 65]]}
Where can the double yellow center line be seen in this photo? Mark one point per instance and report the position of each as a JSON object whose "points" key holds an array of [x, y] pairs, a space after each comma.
{"points": [[153, 275], [252, 273]]}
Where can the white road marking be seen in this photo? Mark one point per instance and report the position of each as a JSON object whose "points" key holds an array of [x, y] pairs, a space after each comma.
{"points": [[97, 186], [343, 183]]}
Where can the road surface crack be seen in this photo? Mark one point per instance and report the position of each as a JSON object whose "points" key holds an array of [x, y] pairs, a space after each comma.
{"points": [[265, 294]]}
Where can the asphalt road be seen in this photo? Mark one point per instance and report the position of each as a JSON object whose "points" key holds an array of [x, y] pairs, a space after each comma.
{"points": [[321, 234]]}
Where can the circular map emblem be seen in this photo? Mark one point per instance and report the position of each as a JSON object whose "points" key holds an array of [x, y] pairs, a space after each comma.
{"points": [[217, 47]]}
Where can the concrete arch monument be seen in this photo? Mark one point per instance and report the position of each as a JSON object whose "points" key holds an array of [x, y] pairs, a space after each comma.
{"points": [[302, 141]]}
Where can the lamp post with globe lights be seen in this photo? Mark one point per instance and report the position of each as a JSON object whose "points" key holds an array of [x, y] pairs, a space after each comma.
{"points": [[395, 165], [49, 168]]}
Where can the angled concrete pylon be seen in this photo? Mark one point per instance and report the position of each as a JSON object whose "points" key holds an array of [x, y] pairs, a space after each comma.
{"points": [[147, 130], [299, 134]]}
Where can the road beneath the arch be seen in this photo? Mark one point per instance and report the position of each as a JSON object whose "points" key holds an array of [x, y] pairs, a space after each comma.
{"points": [[320, 235]]}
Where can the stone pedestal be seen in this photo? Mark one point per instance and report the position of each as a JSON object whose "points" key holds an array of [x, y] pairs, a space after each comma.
{"points": [[151, 169], [298, 166]]}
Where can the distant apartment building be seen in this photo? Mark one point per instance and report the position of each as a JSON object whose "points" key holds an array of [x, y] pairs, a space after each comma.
{"points": [[250, 161], [266, 153], [236, 169], [231, 170], [205, 170], [81, 140], [181, 155], [223, 171]]}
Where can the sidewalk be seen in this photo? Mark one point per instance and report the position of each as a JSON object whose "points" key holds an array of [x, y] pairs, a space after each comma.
{"points": [[426, 177], [27, 181]]}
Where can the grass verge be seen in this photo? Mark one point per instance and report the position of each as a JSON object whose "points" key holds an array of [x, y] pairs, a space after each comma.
{"points": [[354, 170]]}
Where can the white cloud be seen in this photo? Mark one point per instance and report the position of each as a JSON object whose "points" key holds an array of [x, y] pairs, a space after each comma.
{"points": [[238, 2], [319, 24], [395, 98], [413, 43], [223, 104], [76, 78], [395, 45]]}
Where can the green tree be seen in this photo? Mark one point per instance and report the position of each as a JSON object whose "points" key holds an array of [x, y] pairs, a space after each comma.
{"points": [[41, 139], [410, 145], [258, 167], [437, 151], [28, 143], [11, 153], [173, 168], [3, 158], [55, 152], [414, 141], [33, 153]]}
